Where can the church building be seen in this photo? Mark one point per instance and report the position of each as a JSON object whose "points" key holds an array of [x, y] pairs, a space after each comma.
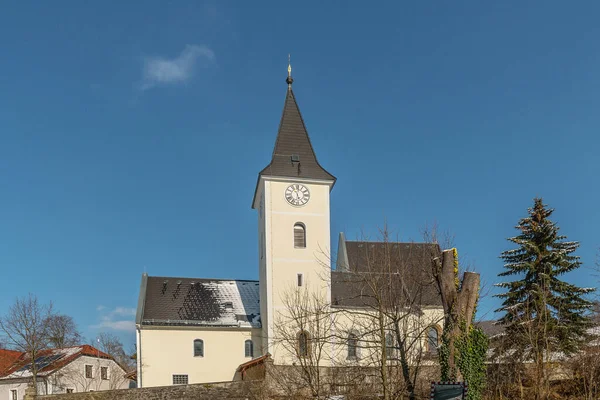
{"points": [[194, 330]]}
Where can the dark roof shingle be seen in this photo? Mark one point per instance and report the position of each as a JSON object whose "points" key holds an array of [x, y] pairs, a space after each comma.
{"points": [[201, 302], [293, 139], [401, 269]]}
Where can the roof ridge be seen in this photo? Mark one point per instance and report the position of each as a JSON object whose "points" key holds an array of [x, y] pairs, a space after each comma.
{"points": [[204, 279]]}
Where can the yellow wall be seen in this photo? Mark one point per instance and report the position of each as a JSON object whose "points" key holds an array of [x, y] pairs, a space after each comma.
{"points": [[282, 262], [165, 351]]}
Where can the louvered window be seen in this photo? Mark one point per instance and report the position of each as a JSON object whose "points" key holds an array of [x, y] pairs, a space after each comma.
{"points": [[299, 236]]}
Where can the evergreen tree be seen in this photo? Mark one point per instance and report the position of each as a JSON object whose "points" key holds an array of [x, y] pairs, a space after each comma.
{"points": [[542, 314]]}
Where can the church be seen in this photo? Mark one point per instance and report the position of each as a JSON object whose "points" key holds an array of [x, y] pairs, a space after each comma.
{"points": [[194, 330]]}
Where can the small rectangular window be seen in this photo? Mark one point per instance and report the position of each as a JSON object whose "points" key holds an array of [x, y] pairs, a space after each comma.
{"points": [[13, 394], [88, 371], [104, 373], [180, 379], [300, 280]]}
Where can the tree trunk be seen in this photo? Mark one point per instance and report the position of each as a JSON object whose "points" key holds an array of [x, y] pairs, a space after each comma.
{"points": [[459, 305]]}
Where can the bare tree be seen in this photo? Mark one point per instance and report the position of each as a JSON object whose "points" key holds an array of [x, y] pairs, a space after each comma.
{"points": [[62, 331], [25, 328], [303, 332], [112, 345]]}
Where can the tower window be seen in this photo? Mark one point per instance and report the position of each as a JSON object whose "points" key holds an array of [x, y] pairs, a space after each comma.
{"points": [[249, 348], [299, 236], [300, 280], [198, 348]]}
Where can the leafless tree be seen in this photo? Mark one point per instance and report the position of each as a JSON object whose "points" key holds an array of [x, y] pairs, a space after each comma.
{"points": [[303, 332], [25, 328], [112, 345], [62, 331]]}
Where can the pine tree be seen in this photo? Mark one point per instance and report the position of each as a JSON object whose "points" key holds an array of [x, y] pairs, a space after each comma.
{"points": [[542, 314]]}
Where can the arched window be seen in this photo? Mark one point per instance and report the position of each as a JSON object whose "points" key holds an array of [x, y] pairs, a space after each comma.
{"points": [[352, 346], [198, 348], [433, 339], [299, 235], [389, 345], [249, 348], [303, 344]]}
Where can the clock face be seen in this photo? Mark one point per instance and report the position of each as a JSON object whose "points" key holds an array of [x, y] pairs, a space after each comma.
{"points": [[297, 195]]}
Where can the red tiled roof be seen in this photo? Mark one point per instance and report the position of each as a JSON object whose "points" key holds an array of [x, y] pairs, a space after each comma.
{"points": [[57, 358], [256, 361], [8, 358]]}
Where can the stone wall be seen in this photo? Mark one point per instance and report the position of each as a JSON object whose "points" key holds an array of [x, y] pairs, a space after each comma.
{"points": [[217, 391]]}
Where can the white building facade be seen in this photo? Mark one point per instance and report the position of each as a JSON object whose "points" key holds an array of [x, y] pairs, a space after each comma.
{"points": [[69, 370]]}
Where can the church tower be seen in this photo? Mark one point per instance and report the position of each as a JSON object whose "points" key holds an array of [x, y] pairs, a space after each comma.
{"points": [[292, 199]]}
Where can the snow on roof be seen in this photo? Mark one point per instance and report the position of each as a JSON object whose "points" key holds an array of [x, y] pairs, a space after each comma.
{"points": [[201, 302]]}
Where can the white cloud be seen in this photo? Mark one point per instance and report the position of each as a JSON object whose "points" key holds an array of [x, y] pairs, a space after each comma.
{"points": [[165, 71], [128, 326], [124, 311], [116, 319]]}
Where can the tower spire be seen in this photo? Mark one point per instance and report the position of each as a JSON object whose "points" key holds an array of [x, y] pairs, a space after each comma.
{"points": [[289, 78]]}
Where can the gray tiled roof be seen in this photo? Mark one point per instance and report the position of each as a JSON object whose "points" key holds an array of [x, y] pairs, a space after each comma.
{"points": [[293, 139], [490, 327], [200, 302], [407, 275]]}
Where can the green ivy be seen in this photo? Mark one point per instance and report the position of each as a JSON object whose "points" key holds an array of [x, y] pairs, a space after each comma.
{"points": [[471, 349]]}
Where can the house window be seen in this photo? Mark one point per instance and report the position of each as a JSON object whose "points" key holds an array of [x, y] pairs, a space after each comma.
{"points": [[248, 348], [13, 394], [389, 345], [180, 379], [88, 371], [303, 344], [299, 235], [300, 280], [104, 373], [433, 339], [352, 346], [70, 391], [198, 348]]}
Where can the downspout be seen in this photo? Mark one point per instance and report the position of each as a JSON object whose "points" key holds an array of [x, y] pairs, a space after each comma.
{"points": [[139, 357]]}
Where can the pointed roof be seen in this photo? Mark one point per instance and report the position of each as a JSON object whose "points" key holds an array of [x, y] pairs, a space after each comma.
{"points": [[293, 155]]}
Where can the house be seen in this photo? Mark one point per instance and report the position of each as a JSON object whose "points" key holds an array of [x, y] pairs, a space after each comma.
{"points": [[193, 330], [67, 370]]}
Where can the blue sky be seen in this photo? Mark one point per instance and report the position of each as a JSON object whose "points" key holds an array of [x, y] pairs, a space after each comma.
{"points": [[131, 134]]}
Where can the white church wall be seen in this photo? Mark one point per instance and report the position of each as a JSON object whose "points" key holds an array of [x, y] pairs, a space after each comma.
{"points": [[168, 351]]}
